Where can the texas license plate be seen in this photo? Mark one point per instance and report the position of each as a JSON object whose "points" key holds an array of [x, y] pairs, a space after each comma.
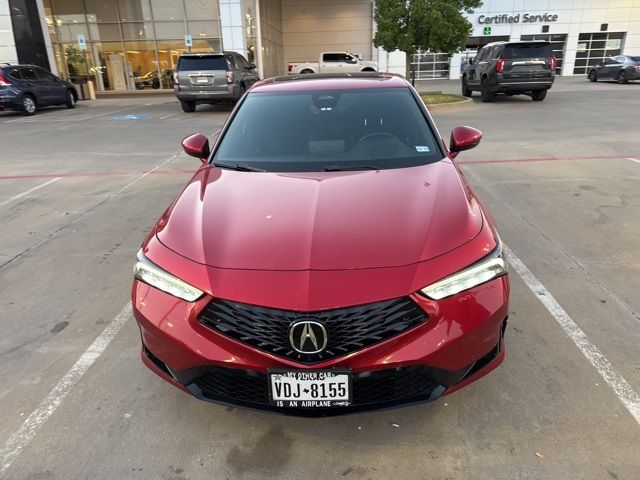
{"points": [[310, 389], [202, 80]]}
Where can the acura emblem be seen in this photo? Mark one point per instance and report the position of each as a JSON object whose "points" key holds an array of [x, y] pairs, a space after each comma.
{"points": [[308, 336]]}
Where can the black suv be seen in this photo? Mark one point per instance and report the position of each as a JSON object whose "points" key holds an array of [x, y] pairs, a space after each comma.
{"points": [[211, 77], [26, 88], [511, 68]]}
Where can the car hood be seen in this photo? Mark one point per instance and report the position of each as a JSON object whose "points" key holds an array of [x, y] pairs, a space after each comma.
{"points": [[321, 221]]}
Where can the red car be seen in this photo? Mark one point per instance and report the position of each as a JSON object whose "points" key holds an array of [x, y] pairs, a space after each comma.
{"points": [[328, 256]]}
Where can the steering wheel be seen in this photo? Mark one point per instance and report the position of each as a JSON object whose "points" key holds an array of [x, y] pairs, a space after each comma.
{"points": [[369, 136]]}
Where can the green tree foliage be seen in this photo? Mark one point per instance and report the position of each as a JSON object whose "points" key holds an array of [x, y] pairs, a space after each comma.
{"points": [[435, 25]]}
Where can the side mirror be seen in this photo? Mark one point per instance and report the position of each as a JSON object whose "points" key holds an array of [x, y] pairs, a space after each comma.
{"points": [[464, 138], [197, 146], [252, 66], [471, 61]]}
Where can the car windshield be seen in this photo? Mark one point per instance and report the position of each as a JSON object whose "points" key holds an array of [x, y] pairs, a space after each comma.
{"points": [[531, 50], [202, 62], [315, 131]]}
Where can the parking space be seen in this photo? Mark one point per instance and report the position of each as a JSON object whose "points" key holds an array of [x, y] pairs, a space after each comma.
{"points": [[79, 190]]}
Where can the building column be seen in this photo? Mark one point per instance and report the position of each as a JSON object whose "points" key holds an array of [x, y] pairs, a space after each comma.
{"points": [[8, 52], [232, 26], [53, 66]]}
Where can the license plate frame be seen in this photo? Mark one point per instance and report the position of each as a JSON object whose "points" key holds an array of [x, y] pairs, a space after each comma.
{"points": [[298, 375], [202, 79]]}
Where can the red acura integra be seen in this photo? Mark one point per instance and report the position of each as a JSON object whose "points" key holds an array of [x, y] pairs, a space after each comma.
{"points": [[328, 256]]}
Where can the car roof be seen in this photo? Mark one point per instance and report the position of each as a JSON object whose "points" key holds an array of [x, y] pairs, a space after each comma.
{"points": [[200, 54], [520, 42], [330, 81]]}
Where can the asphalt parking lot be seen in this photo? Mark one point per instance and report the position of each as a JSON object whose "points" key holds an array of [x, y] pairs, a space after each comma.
{"points": [[79, 190]]}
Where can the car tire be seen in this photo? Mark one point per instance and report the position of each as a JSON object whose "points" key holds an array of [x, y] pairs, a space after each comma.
{"points": [[306, 71], [538, 95], [466, 91], [485, 93], [28, 105], [592, 76], [188, 107], [622, 77], [70, 99]]}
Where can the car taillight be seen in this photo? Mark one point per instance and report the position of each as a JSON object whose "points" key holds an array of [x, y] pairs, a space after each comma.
{"points": [[637, 66], [554, 63], [4, 81], [500, 66], [175, 79], [290, 66], [229, 77]]}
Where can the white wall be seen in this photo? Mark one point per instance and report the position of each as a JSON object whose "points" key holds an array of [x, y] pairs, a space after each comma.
{"points": [[7, 43], [310, 27]]}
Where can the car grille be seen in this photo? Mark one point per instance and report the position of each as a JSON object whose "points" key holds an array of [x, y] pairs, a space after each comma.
{"points": [[348, 329], [370, 389]]}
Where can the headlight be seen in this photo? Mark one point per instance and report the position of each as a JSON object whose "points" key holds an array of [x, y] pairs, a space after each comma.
{"points": [[152, 274], [488, 268]]}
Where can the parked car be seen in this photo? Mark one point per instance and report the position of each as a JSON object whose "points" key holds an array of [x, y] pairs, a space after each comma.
{"points": [[511, 68], [327, 257], [333, 62], [26, 88], [621, 69], [212, 77], [152, 80]]}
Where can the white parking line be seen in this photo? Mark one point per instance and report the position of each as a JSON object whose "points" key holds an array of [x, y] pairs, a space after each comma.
{"points": [[627, 395], [633, 160], [25, 433], [27, 192]]}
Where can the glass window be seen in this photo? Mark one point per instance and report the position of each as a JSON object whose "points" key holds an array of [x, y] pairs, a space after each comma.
{"points": [[15, 73], [311, 131], [68, 32], [105, 32], [69, 11], [206, 29], [42, 74], [531, 50], [202, 9], [206, 45], [135, 31], [167, 9], [134, 10], [203, 62], [28, 74], [172, 30], [99, 10]]}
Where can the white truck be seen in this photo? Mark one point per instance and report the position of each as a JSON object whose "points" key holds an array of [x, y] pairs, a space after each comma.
{"points": [[332, 62]]}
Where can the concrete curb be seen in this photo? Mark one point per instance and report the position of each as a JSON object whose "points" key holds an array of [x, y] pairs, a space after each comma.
{"points": [[446, 106]]}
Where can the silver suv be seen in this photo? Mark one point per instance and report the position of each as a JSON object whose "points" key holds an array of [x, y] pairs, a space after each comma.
{"points": [[212, 77]]}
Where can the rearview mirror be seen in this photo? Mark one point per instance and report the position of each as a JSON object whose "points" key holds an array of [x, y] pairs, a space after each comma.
{"points": [[464, 138], [197, 146]]}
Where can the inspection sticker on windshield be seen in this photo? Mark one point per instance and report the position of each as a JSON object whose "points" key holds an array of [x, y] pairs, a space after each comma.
{"points": [[422, 148]]}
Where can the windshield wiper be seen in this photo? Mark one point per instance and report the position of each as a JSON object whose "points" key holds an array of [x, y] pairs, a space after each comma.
{"points": [[240, 167], [346, 168]]}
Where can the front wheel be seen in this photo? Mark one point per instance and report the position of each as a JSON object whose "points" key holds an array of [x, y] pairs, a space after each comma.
{"points": [[70, 99], [486, 94], [466, 91], [188, 107], [593, 76], [28, 106], [538, 95], [622, 77]]}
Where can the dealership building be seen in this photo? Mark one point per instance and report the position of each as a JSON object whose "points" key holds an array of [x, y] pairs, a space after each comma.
{"points": [[113, 41]]}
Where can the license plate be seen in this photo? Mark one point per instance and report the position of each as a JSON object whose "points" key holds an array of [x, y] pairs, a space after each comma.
{"points": [[310, 389], [202, 80]]}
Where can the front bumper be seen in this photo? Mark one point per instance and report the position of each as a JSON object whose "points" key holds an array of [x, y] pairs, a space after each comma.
{"points": [[461, 340]]}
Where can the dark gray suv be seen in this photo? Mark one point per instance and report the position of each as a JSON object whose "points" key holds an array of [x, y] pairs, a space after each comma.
{"points": [[511, 68], [28, 87], [212, 77]]}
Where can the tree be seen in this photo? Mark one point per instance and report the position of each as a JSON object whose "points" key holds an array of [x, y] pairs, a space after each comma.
{"points": [[435, 25]]}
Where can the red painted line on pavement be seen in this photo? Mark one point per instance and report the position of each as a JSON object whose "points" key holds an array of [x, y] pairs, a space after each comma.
{"points": [[92, 174], [548, 159]]}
